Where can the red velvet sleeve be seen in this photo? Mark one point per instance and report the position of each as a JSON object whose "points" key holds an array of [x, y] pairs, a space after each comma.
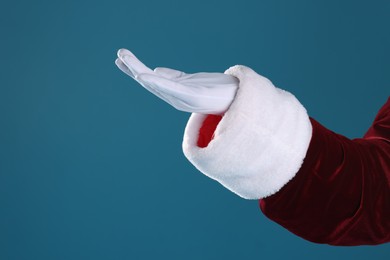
{"points": [[341, 194]]}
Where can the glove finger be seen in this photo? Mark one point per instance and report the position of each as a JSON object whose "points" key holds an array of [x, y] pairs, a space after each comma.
{"points": [[209, 79], [123, 52], [169, 73], [126, 70], [157, 93], [150, 87], [181, 97], [168, 87], [123, 68], [177, 103], [134, 65]]}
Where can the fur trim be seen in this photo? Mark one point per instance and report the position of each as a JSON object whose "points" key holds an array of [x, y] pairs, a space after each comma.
{"points": [[260, 143]]}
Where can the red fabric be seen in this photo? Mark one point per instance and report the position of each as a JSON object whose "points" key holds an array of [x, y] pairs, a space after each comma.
{"points": [[206, 132], [341, 194]]}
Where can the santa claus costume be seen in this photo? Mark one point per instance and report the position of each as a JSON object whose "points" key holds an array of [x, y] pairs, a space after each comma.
{"points": [[316, 183], [259, 142]]}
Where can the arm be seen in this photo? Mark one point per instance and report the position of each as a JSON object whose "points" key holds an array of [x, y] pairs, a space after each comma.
{"points": [[258, 141], [339, 195]]}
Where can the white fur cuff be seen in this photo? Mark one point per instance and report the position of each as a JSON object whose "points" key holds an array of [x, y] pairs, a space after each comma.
{"points": [[260, 143]]}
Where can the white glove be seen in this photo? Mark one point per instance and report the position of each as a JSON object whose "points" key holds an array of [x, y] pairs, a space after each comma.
{"points": [[204, 93]]}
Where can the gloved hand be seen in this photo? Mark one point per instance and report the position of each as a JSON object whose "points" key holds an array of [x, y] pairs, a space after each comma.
{"points": [[204, 93]]}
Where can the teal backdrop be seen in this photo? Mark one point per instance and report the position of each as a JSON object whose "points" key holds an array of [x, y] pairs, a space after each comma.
{"points": [[91, 165]]}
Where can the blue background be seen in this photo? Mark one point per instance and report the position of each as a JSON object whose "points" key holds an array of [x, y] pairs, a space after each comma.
{"points": [[91, 165]]}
